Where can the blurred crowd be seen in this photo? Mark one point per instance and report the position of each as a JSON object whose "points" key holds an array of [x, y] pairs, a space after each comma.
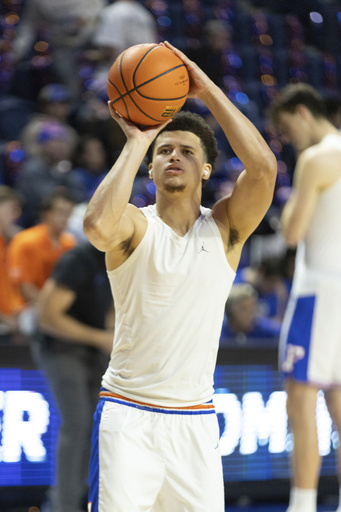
{"points": [[57, 139]]}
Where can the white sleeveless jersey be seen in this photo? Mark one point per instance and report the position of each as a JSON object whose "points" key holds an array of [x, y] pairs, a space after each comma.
{"points": [[169, 296], [319, 253]]}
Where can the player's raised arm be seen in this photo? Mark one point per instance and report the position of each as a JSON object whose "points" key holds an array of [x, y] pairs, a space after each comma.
{"points": [[253, 192], [109, 218]]}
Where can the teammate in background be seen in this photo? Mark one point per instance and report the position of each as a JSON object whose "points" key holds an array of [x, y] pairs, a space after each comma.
{"points": [[73, 348], [310, 344], [171, 266]]}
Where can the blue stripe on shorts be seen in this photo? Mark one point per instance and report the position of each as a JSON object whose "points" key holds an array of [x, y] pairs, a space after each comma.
{"points": [[300, 333], [206, 408], [94, 461]]}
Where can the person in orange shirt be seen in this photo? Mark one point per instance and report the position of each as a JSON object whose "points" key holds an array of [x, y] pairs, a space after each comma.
{"points": [[33, 253], [9, 302]]}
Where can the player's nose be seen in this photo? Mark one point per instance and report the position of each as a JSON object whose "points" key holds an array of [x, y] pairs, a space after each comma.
{"points": [[175, 155]]}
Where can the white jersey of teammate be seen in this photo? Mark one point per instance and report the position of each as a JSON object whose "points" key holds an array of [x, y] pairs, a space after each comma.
{"points": [[164, 348], [310, 343], [320, 251]]}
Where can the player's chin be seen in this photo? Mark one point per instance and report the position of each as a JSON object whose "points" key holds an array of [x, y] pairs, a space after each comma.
{"points": [[174, 188]]}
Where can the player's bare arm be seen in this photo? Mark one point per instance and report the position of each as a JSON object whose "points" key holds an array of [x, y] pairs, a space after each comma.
{"points": [[315, 171], [238, 215], [111, 223]]}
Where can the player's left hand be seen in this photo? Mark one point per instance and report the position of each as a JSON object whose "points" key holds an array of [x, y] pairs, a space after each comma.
{"points": [[199, 81]]}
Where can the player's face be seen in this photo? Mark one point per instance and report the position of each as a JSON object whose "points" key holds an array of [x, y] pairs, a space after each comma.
{"points": [[294, 130], [178, 161]]}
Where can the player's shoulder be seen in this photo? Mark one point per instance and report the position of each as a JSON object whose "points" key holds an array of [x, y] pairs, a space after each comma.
{"points": [[145, 213], [330, 144], [320, 165], [324, 154]]}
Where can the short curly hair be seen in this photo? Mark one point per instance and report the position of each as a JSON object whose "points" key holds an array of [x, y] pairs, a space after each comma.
{"points": [[191, 122]]}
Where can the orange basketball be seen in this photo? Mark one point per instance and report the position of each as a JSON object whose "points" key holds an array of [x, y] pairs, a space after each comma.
{"points": [[147, 84]]}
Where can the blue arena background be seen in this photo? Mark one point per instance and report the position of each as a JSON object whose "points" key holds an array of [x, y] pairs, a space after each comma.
{"points": [[16, 385], [255, 438]]}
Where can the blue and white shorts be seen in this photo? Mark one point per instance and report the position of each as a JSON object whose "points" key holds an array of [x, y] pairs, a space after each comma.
{"points": [[148, 458], [310, 340]]}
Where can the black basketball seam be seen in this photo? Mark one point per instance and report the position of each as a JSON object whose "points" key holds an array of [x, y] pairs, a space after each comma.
{"points": [[126, 108], [120, 97], [135, 89], [154, 78], [126, 88], [122, 78], [128, 92]]}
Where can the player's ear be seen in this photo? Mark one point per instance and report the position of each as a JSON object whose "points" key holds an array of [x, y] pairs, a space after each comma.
{"points": [[150, 171], [206, 171]]}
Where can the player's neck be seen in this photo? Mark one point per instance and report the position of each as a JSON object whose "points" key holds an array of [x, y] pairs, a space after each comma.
{"points": [[178, 215], [325, 128]]}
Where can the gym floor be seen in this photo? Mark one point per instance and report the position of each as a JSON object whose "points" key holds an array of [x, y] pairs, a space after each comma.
{"points": [[242, 507], [274, 507]]}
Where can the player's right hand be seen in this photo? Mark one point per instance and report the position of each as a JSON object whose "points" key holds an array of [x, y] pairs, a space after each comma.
{"points": [[134, 131]]}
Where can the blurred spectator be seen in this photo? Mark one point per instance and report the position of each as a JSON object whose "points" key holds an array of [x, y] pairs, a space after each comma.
{"points": [[10, 303], [212, 55], [65, 26], [92, 118], [75, 337], [267, 278], [33, 253], [90, 163], [123, 23], [243, 323], [54, 102], [52, 168]]}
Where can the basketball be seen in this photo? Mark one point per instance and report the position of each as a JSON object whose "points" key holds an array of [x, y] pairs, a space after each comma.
{"points": [[147, 84]]}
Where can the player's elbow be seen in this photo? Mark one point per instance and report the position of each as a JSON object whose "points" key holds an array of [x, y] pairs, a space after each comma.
{"points": [[90, 227], [265, 169], [270, 166], [95, 233]]}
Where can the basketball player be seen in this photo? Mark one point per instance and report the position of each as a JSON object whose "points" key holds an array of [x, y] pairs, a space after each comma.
{"points": [[171, 265], [310, 343]]}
